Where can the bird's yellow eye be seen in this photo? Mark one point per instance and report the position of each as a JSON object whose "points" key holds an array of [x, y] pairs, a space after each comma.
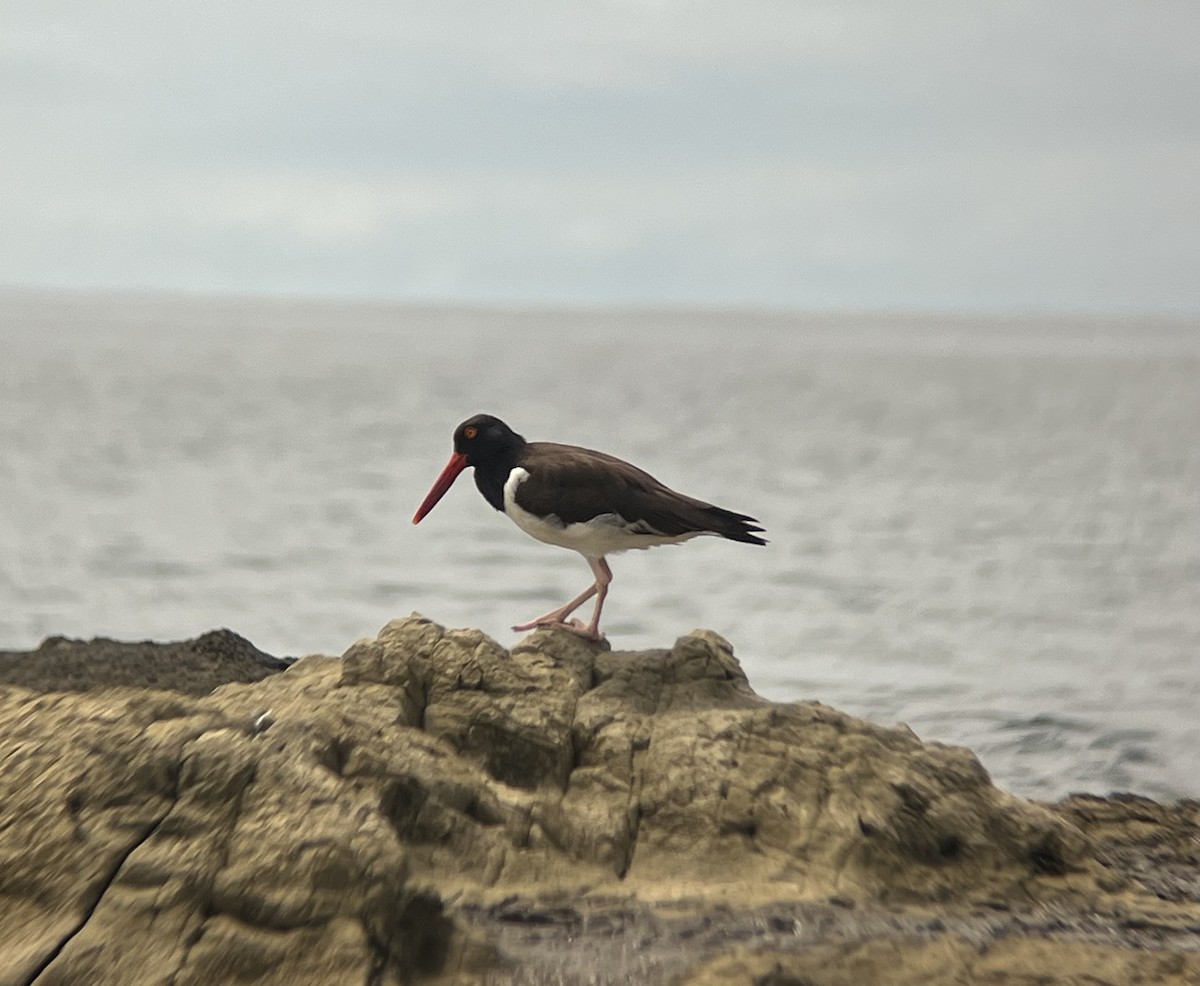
{"points": [[470, 431]]}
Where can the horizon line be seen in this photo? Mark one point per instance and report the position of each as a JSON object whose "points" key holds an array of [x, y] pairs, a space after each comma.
{"points": [[165, 293]]}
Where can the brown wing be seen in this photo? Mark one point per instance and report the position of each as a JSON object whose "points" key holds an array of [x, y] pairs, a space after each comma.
{"points": [[577, 484]]}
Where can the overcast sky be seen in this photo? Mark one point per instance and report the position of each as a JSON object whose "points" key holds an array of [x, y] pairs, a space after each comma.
{"points": [[956, 155]]}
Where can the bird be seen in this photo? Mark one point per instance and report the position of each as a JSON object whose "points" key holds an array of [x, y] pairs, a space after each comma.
{"points": [[577, 498]]}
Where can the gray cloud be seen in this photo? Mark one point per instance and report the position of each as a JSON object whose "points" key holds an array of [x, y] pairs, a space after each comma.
{"points": [[951, 155]]}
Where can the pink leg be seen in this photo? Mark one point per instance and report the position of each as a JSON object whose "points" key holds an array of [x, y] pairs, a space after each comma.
{"points": [[558, 617], [603, 579]]}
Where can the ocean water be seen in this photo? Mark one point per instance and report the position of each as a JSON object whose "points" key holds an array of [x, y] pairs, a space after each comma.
{"points": [[986, 528]]}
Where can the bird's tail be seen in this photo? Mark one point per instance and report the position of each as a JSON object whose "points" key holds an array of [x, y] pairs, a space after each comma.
{"points": [[736, 527]]}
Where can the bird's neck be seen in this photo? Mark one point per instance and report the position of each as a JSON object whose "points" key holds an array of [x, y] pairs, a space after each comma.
{"points": [[491, 476]]}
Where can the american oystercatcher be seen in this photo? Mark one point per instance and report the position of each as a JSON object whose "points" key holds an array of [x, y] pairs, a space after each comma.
{"points": [[588, 501]]}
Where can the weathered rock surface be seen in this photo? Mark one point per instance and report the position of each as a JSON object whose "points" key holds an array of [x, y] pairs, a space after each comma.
{"points": [[434, 808]]}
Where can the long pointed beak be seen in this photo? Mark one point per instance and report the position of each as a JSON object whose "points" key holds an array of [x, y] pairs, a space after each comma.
{"points": [[457, 463]]}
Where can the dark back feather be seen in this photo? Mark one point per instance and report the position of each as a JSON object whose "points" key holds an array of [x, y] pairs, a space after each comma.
{"points": [[577, 484]]}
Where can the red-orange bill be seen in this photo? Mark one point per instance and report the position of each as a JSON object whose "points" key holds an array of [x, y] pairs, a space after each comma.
{"points": [[457, 463]]}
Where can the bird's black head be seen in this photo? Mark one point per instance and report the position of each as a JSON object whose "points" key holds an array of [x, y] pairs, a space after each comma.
{"points": [[485, 440], [489, 445]]}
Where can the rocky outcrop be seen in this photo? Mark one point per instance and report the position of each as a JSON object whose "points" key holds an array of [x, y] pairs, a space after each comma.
{"points": [[194, 667], [433, 808]]}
